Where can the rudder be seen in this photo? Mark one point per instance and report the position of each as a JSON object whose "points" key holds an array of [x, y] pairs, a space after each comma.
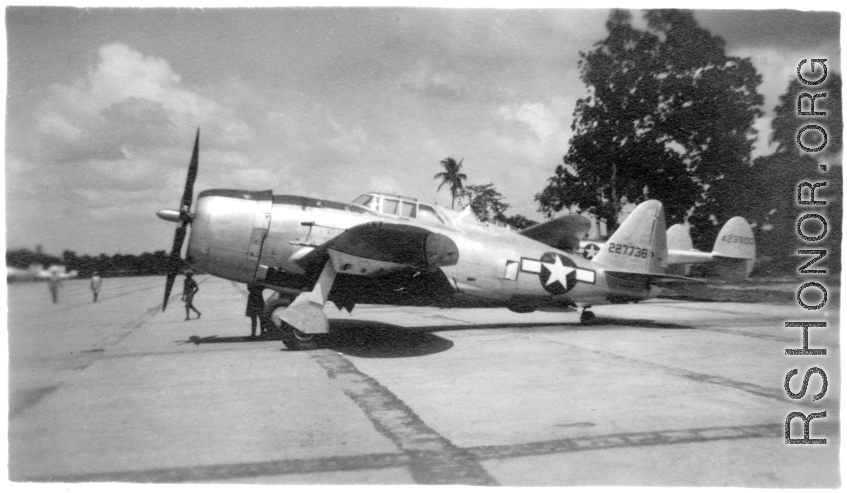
{"points": [[735, 249], [640, 244], [736, 240]]}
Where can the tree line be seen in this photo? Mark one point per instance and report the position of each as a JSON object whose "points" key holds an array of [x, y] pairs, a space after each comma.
{"points": [[669, 116], [484, 200], [145, 264]]}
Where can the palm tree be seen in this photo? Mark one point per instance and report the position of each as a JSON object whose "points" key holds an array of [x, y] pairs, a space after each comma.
{"points": [[451, 176]]}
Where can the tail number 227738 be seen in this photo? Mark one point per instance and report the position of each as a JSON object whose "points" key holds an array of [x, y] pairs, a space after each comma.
{"points": [[632, 251]]}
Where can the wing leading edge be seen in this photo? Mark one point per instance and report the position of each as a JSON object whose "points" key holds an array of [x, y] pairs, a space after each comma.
{"points": [[379, 248], [563, 232]]}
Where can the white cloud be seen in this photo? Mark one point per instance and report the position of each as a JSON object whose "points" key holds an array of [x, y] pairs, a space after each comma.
{"points": [[434, 82], [56, 126], [351, 141], [544, 121], [123, 74], [534, 115], [126, 102], [114, 145], [384, 183]]}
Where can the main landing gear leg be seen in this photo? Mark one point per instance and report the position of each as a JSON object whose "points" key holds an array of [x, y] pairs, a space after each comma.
{"points": [[304, 318], [587, 317]]}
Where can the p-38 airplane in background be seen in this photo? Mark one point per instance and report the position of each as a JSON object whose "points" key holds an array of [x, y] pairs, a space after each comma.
{"points": [[735, 247], [37, 272], [388, 249]]}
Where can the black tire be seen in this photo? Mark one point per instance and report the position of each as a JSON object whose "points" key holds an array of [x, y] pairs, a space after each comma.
{"points": [[294, 339], [587, 318], [272, 304]]}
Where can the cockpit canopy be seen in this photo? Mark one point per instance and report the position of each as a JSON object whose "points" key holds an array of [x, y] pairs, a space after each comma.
{"points": [[397, 205]]}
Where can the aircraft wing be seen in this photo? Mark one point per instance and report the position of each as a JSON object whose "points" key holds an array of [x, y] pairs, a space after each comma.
{"points": [[378, 248], [563, 232]]}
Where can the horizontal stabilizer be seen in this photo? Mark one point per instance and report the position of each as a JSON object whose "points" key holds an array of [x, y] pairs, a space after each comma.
{"points": [[676, 257], [563, 232]]}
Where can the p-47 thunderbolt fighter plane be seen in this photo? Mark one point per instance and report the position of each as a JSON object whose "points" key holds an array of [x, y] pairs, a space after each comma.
{"points": [[397, 250]]}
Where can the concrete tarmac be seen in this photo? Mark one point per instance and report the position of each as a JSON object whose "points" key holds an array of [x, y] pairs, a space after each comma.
{"points": [[666, 392]]}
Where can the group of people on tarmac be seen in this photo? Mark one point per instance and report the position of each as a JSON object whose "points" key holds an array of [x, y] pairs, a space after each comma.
{"points": [[255, 299], [54, 282], [255, 304]]}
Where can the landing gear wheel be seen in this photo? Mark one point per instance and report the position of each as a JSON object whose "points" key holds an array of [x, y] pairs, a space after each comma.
{"points": [[294, 339], [273, 303], [587, 317]]}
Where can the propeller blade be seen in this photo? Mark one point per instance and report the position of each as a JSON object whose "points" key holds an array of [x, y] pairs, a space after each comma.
{"points": [[192, 175], [184, 220], [169, 283], [174, 261]]}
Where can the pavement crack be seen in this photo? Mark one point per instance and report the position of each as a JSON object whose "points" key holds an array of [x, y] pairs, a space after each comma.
{"points": [[624, 440], [22, 400], [433, 458], [421, 460]]}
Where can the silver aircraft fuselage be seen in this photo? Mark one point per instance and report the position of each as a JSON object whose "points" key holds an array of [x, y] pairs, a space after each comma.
{"points": [[277, 241]]}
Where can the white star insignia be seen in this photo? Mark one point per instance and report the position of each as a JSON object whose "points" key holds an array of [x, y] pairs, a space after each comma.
{"points": [[558, 272]]}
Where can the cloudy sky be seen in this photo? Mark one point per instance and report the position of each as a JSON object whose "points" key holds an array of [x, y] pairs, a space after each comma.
{"points": [[103, 105]]}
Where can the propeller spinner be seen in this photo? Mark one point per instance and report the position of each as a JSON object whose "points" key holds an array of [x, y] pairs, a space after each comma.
{"points": [[183, 218]]}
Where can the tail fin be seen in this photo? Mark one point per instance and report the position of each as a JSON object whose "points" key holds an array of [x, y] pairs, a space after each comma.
{"points": [[735, 249], [678, 241], [640, 244], [736, 240]]}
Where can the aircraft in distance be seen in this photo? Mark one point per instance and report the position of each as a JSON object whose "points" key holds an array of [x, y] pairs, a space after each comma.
{"points": [[37, 272], [390, 249], [734, 247]]}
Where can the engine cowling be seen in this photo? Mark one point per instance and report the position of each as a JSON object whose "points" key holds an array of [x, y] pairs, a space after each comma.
{"points": [[227, 232]]}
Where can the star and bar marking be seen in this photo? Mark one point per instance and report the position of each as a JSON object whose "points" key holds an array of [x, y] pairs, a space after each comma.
{"points": [[590, 251], [558, 274]]}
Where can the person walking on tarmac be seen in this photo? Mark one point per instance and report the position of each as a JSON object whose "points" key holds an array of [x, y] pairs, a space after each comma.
{"points": [[55, 282], [189, 289], [256, 309], [96, 281]]}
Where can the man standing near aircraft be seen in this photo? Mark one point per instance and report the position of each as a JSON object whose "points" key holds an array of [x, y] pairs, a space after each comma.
{"points": [[189, 289], [96, 281], [55, 282], [255, 309]]}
